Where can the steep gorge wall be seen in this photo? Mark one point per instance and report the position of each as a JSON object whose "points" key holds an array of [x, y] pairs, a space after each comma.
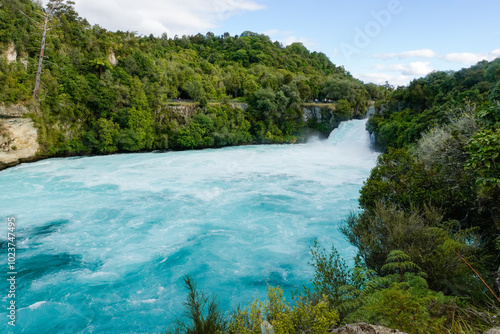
{"points": [[18, 136], [324, 118]]}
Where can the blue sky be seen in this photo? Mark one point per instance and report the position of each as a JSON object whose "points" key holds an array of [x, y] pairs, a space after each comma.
{"points": [[377, 40]]}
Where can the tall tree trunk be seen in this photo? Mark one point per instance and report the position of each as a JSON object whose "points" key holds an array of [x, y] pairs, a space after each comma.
{"points": [[40, 59]]}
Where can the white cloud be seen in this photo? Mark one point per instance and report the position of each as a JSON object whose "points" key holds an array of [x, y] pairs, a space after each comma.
{"points": [[466, 58], [175, 17], [417, 68], [288, 37], [396, 74], [469, 58], [422, 53], [381, 78]]}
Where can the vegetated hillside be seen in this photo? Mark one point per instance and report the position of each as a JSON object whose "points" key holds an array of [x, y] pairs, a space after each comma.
{"points": [[442, 138], [436, 190], [433, 100], [103, 92]]}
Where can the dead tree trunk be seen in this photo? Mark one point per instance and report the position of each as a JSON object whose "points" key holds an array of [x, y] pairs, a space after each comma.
{"points": [[42, 51], [47, 15]]}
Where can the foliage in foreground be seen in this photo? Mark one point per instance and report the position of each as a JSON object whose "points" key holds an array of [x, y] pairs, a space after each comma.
{"points": [[302, 316], [202, 313], [435, 192], [455, 167], [399, 298]]}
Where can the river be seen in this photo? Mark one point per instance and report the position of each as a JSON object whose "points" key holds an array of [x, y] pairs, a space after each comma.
{"points": [[104, 242]]}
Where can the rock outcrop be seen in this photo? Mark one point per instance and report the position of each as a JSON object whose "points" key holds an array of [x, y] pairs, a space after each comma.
{"points": [[112, 57], [495, 330], [320, 112], [363, 328], [11, 53], [322, 117], [16, 110], [18, 136], [240, 105]]}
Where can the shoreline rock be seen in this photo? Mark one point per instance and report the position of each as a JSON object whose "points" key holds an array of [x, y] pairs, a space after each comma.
{"points": [[362, 328], [18, 141]]}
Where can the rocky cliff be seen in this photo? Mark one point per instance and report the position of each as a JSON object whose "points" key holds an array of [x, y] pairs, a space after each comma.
{"points": [[323, 117], [18, 136]]}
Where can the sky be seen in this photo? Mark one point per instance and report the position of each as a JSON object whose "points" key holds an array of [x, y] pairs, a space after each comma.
{"points": [[377, 41]]}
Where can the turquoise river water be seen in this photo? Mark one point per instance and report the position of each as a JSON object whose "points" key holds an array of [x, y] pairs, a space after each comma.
{"points": [[102, 243]]}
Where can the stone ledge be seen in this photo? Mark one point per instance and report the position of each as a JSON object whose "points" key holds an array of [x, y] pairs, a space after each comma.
{"points": [[15, 110]]}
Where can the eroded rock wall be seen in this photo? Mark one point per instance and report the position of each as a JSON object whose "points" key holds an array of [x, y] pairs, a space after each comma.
{"points": [[18, 136]]}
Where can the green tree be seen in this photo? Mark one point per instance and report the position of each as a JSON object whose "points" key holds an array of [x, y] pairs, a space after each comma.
{"points": [[484, 150], [422, 235], [331, 275], [107, 131], [100, 64], [140, 130], [195, 89], [202, 314], [344, 107]]}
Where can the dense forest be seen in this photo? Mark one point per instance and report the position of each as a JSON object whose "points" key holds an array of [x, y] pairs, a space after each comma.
{"points": [[435, 193], [103, 92], [428, 234]]}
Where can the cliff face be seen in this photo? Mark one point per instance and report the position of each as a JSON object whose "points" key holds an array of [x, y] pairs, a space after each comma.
{"points": [[318, 112], [323, 117], [12, 111], [18, 136], [11, 55]]}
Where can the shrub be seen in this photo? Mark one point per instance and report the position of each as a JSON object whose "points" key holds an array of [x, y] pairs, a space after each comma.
{"points": [[303, 317], [421, 234], [202, 314]]}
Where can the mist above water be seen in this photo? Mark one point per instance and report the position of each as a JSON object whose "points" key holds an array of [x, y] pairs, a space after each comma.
{"points": [[103, 242]]}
